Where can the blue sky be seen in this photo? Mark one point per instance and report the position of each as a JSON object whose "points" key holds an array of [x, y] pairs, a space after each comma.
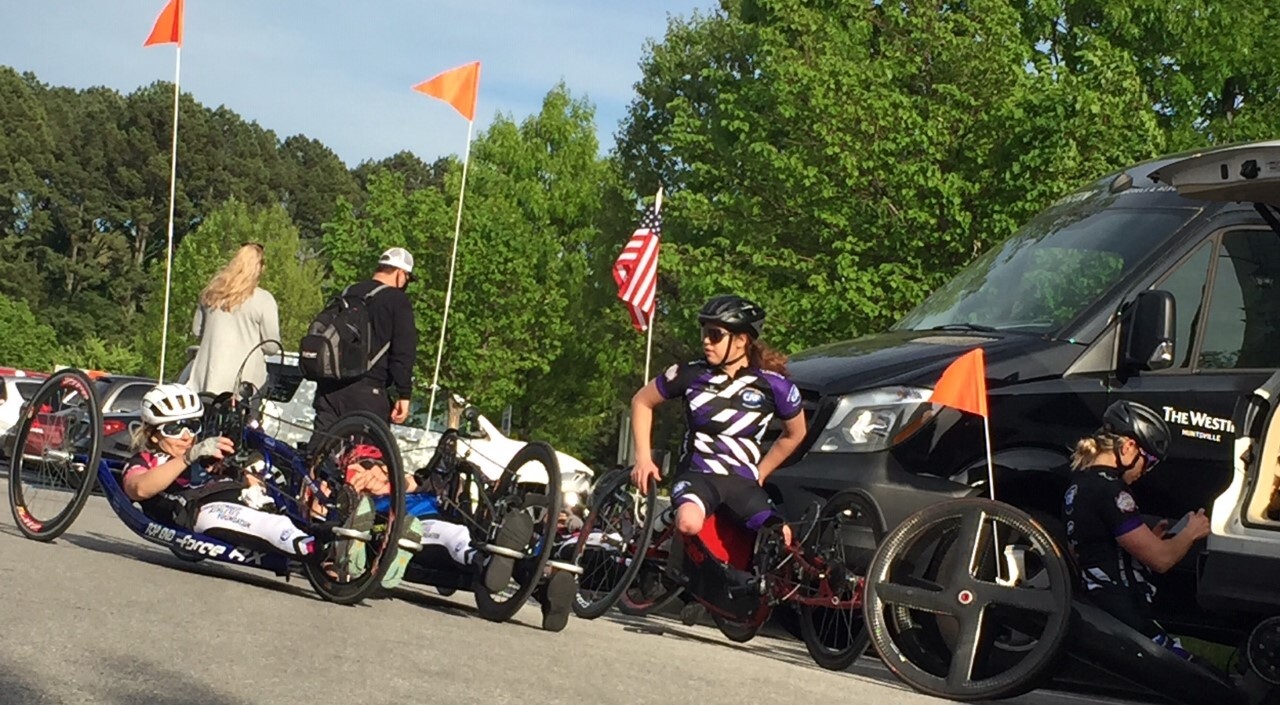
{"points": [[340, 70]]}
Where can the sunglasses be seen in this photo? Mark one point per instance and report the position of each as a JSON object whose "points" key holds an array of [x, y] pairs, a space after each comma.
{"points": [[1150, 459], [715, 335], [176, 429]]}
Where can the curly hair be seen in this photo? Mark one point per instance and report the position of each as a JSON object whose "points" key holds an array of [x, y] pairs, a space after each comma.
{"points": [[761, 356], [234, 283]]}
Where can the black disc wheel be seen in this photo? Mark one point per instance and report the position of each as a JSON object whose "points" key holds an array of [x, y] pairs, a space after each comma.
{"points": [[950, 584], [362, 549], [617, 530], [842, 544], [55, 455], [530, 484]]}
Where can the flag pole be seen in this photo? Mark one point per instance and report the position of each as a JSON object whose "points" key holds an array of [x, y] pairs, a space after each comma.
{"points": [[453, 261], [648, 346], [173, 177]]}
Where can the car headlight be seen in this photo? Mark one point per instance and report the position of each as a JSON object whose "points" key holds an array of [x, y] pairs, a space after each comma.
{"points": [[872, 420]]}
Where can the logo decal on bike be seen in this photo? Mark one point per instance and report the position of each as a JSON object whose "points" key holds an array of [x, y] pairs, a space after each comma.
{"points": [[29, 521]]}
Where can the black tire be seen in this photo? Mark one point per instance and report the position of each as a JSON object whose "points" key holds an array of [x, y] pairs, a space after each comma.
{"points": [[849, 530], [931, 592], [350, 430], [543, 502], [638, 603], [612, 509], [66, 472], [737, 632]]}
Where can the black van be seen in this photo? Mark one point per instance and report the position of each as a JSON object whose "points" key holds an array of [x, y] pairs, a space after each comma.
{"points": [[1159, 283]]}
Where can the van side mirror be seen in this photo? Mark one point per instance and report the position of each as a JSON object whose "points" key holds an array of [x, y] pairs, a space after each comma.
{"points": [[1148, 332]]}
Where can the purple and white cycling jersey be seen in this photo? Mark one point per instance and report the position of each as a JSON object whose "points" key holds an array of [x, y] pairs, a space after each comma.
{"points": [[727, 417]]}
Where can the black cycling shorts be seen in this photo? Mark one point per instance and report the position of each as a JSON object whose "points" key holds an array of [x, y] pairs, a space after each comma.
{"points": [[742, 497]]}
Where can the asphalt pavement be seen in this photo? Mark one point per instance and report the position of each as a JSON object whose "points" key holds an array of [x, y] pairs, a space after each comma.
{"points": [[100, 616]]}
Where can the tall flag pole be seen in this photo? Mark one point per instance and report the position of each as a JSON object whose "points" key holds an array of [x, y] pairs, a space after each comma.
{"points": [[963, 386], [636, 274], [458, 87], [168, 30]]}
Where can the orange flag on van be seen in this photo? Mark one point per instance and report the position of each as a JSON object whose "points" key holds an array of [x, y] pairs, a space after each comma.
{"points": [[457, 87], [963, 384], [168, 27]]}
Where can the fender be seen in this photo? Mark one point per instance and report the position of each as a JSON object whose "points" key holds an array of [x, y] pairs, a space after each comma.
{"points": [[1026, 477]]}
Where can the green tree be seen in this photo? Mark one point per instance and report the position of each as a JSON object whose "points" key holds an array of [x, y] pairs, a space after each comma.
{"points": [[293, 282], [26, 342]]}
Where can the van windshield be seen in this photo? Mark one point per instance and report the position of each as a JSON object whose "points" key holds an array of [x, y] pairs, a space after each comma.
{"points": [[1050, 271]]}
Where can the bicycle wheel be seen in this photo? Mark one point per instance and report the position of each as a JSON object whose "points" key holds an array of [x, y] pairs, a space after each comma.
{"points": [[612, 542], [737, 632], [651, 591], [354, 567], [513, 493], [56, 452], [844, 541]]}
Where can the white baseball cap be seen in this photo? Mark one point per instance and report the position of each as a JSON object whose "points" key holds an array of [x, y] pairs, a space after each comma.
{"points": [[397, 257]]}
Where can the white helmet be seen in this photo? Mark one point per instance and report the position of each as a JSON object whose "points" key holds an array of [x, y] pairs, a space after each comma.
{"points": [[170, 402], [397, 257]]}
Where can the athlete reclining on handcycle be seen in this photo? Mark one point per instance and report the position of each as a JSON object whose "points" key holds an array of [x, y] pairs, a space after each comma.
{"points": [[729, 396]]}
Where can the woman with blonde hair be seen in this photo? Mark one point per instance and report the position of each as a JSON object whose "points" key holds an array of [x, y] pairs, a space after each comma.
{"points": [[233, 320]]}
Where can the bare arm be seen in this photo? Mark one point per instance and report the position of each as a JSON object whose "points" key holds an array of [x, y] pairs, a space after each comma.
{"points": [[145, 484], [642, 406], [1158, 554], [793, 430]]}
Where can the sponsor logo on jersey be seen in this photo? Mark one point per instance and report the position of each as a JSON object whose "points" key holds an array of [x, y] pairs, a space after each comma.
{"points": [[1125, 502], [752, 399], [680, 487], [1070, 498]]}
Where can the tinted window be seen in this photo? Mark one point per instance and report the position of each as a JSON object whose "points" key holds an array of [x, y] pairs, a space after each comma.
{"points": [[28, 389], [282, 381], [129, 399], [1243, 326], [1186, 282], [1049, 271]]}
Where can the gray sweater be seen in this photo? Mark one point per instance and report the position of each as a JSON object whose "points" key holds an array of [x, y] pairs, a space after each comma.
{"points": [[226, 337]]}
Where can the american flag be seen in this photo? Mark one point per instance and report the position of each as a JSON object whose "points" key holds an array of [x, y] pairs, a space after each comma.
{"points": [[636, 269]]}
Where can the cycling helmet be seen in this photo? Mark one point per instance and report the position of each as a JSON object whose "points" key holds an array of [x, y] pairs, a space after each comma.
{"points": [[1141, 423], [170, 402], [735, 313]]}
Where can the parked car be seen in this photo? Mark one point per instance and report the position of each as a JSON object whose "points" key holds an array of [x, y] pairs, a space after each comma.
{"points": [[288, 417], [1159, 283], [16, 386]]}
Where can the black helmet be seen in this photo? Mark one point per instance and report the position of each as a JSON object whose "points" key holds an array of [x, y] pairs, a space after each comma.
{"points": [[735, 313], [1141, 423]]}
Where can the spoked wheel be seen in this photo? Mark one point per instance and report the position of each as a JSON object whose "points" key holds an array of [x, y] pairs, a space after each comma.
{"points": [[514, 494], [617, 530], [938, 602], [651, 591], [843, 543], [362, 550], [55, 455]]}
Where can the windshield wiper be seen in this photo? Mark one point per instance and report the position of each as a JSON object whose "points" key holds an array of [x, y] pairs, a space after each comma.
{"points": [[964, 326]]}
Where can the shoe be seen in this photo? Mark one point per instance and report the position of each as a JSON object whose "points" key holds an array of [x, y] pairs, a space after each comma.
{"points": [[408, 546], [513, 535], [354, 533], [557, 600]]}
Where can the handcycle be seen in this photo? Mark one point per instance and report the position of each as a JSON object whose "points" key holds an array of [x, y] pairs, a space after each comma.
{"points": [[54, 470], [455, 489], [740, 577]]}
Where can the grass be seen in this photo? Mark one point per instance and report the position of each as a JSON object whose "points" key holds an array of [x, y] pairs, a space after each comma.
{"points": [[1217, 654]]}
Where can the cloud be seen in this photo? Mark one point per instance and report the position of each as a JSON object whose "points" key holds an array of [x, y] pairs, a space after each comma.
{"points": [[340, 71]]}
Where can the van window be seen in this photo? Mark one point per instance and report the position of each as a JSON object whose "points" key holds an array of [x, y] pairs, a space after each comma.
{"points": [[1048, 272], [1243, 328], [129, 399], [1187, 282]]}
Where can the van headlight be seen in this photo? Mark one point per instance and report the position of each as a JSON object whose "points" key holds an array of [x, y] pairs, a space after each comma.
{"points": [[876, 419]]}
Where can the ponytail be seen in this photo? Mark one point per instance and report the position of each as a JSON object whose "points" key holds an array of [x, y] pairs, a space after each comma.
{"points": [[1090, 447], [763, 357]]}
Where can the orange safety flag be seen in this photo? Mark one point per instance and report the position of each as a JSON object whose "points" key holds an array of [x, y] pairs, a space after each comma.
{"points": [[963, 385], [457, 87], [168, 27]]}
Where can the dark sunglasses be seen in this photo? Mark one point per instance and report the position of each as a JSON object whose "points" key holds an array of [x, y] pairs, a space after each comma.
{"points": [[175, 429], [715, 335], [1152, 460]]}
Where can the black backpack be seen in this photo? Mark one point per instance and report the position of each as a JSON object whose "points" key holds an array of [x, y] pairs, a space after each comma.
{"points": [[338, 343]]}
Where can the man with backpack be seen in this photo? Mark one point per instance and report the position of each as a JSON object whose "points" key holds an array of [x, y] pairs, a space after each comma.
{"points": [[362, 346]]}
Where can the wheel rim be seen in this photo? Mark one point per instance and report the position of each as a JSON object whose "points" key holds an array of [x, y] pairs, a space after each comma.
{"points": [[844, 541], [935, 608], [608, 541], [353, 568], [54, 454]]}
